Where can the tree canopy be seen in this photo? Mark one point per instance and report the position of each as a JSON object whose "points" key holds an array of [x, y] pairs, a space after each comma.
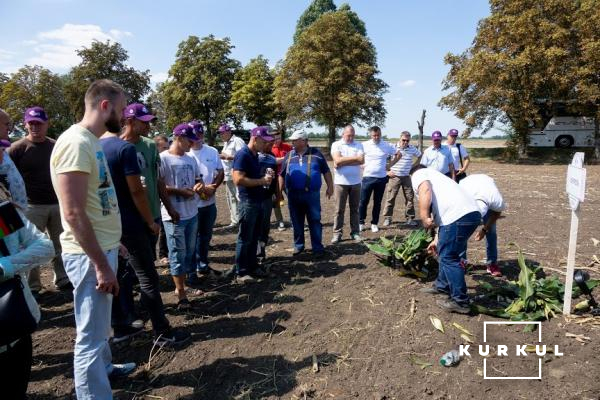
{"points": [[200, 82], [319, 7], [330, 76]]}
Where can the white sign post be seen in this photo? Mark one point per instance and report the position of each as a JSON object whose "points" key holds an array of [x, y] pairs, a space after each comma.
{"points": [[576, 192]]}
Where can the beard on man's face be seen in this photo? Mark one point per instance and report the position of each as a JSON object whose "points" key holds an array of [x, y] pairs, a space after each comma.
{"points": [[113, 124]]}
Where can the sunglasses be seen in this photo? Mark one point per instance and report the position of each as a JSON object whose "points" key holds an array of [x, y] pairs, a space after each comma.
{"points": [[404, 140]]}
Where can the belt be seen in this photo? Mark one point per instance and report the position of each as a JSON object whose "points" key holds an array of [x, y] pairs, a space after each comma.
{"points": [[6, 347]]}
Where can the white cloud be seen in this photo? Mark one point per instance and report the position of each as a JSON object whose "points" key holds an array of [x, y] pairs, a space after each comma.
{"points": [[157, 77], [55, 49], [29, 42], [6, 56], [408, 83]]}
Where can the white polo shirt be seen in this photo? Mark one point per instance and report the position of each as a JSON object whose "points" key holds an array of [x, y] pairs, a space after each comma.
{"points": [[231, 147], [438, 159], [209, 164], [457, 154], [348, 174], [485, 192], [376, 155], [449, 201]]}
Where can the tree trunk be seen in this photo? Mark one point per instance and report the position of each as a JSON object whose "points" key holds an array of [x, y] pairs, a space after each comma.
{"points": [[597, 135], [420, 125], [331, 136]]}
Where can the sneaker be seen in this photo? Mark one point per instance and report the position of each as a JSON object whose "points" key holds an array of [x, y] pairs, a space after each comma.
{"points": [[244, 279], [297, 251], [432, 290], [374, 228], [336, 238], [164, 261], [184, 305], [172, 337], [319, 255], [411, 222], [138, 323], [361, 227], [125, 333], [210, 273], [452, 306], [387, 222], [121, 370], [65, 286], [281, 226], [232, 225], [494, 270], [356, 237], [259, 273]]}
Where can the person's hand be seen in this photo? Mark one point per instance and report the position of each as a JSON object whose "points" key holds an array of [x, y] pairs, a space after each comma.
{"points": [[106, 280], [123, 252], [154, 228], [329, 192], [210, 190], [174, 215], [432, 248], [391, 174], [480, 234], [428, 223], [267, 180]]}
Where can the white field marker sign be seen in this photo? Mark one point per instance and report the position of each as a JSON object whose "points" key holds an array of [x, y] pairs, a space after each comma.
{"points": [[576, 192]]}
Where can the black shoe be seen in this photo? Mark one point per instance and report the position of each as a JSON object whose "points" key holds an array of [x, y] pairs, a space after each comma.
{"points": [[125, 333], [319, 254], [210, 273], [297, 252], [193, 280], [432, 290], [259, 273], [172, 337], [452, 306]]}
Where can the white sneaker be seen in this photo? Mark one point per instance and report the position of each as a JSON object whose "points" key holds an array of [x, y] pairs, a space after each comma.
{"points": [[336, 238], [374, 228], [281, 226], [356, 237], [361, 227], [387, 222]]}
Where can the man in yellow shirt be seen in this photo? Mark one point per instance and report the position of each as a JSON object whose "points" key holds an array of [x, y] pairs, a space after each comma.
{"points": [[92, 230]]}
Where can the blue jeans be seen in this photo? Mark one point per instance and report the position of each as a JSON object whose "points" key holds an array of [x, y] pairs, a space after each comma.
{"points": [[376, 186], [452, 247], [249, 229], [206, 222], [267, 208], [181, 241], [306, 205], [93, 359], [491, 238]]}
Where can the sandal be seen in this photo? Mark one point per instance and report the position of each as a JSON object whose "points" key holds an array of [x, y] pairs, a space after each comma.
{"points": [[184, 305], [193, 292]]}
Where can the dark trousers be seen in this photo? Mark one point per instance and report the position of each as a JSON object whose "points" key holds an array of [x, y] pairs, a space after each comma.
{"points": [[247, 241], [306, 205], [267, 209], [15, 369], [140, 249], [206, 222], [163, 249], [376, 186], [123, 305]]}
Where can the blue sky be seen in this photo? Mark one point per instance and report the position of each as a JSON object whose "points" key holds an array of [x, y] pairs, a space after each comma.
{"points": [[411, 38]]}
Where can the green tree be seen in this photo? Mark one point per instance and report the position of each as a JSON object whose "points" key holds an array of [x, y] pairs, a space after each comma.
{"points": [[523, 52], [36, 86], [156, 103], [104, 61], [354, 18], [252, 92], [200, 81], [330, 76], [311, 14]]}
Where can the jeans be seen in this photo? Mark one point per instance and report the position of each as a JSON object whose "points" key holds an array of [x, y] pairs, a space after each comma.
{"points": [[141, 260], [92, 320], [232, 201], [15, 369], [46, 217], [452, 247], [265, 229], [371, 185], [352, 194], [181, 240], [206, 221], [306, 205], [491, 238], [393, 187], [163, 249], [247, 240]]}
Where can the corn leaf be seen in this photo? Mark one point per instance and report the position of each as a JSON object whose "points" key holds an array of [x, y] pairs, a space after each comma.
{"points": [[462, 329], [437, 323]]}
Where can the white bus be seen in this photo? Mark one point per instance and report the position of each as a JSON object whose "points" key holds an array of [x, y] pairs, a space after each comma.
{"points": [[564, 132]]}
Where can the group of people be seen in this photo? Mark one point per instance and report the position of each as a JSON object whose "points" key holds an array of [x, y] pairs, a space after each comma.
{"points": [[108, 196]]}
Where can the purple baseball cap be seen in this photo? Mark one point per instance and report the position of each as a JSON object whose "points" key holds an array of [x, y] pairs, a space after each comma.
{"points": [[437, 135], [138, 111], [35, 114], [4, 143], [186, 131], [262, 132], [452, 132], [197, 127], [224, 128]]}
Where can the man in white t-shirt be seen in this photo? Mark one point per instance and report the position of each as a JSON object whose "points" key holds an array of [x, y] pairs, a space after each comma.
{"points": [[491, 204], [460, 155], [211, 172], [443, 204], [231, 145], [375, 176], [400, 178], [438, 156], [348, 155]]}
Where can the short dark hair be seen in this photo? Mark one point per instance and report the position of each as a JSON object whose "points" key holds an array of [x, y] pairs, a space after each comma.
{"points": [[375, 128], [102, 89], [161, 136], [415, 168], [405, 133]]}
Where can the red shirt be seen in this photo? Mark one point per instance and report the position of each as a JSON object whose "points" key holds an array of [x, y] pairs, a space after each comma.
{"points": [[280, 151]]}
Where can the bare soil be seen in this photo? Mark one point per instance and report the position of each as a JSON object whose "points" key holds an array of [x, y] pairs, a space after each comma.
{"points": [[349, 318]]}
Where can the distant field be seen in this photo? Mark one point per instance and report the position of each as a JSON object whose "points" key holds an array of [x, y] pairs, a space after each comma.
{"points": [[468, 143]]}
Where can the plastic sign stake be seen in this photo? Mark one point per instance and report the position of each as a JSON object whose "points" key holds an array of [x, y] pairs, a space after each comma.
{"points": [[576, 192]]}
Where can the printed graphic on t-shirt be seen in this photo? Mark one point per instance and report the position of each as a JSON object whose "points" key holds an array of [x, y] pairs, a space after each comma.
{"points": [[106, 192], [142, 161], [183, 177]]}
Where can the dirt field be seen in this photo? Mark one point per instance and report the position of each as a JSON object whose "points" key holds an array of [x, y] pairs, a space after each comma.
{"points": [[351, 316]]}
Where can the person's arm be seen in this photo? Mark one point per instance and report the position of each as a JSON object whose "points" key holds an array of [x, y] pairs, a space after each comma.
{"points": [[341, 161], [329, 182], [466, 162], [240, 179], [140, 199], [493, 217], [395, 158], [72, 192], [425, 198], [280, 187]]}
